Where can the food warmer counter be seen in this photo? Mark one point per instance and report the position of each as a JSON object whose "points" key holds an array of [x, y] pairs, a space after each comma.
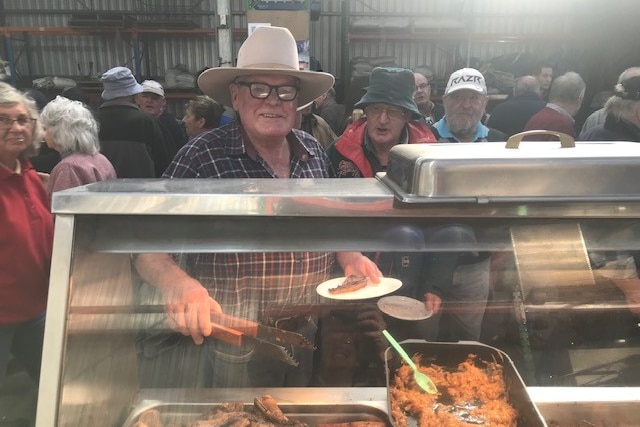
{"points": [[562, 299]]}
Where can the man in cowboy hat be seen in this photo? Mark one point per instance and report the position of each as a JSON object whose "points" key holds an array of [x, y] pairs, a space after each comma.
{"points": [[265, 88]]}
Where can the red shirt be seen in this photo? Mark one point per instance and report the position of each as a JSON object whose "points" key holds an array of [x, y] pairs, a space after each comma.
{"points": [[552, 118], [26, 241]]}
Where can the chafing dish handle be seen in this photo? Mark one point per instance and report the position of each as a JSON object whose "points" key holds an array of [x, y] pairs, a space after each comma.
{"points": [[566, 141]]}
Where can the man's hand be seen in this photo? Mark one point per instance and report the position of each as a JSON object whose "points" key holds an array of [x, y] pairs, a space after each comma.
{"points": [[187, 302], [190, 311], [432, 302], [356, 263]]}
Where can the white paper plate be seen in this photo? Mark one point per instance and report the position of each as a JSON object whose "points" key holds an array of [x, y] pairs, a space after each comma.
{"points": [[386, 285], [404, 308]]}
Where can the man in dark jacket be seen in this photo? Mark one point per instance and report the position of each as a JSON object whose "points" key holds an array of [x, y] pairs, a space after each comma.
{"points": [[332, 112], [121, 119], [430, 111], [152, 101], [512, 115], [465, 100]]}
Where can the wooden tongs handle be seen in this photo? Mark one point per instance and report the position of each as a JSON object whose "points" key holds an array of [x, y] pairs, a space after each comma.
{"points": [[226, 334]]}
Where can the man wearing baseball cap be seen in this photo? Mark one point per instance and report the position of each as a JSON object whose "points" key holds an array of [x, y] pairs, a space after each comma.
{"points": [[152, 100], [465, 100]]}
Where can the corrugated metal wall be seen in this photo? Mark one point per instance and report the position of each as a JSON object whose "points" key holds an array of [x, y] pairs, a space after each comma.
{"points": [[562, 29]]}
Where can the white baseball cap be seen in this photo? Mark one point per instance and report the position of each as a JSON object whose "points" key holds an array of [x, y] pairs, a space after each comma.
{"points": [[466, 78], [152, 86]]}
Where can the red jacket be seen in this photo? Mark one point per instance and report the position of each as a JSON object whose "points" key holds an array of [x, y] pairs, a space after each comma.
{"points": [[348, 155], [26, 241]]}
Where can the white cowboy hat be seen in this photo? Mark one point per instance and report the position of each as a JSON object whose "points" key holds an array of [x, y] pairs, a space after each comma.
{"points": [[268, 50]]}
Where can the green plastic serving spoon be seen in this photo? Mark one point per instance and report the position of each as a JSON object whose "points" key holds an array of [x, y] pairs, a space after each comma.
{"points": [[421, 379]]}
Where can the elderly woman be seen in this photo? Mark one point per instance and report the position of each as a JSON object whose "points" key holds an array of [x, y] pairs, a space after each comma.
{"points": [[26, 235], [71, 129], [202, 113]]}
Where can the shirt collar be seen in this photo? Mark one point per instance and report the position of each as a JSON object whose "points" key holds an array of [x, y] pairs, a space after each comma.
{"points": [[22, 167], [443, 130], [298, 150], [561, 110]]}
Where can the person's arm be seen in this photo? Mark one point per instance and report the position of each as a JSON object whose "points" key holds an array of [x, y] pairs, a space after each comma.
{"points": [[436, 278], [188, 303], [356, 263]]}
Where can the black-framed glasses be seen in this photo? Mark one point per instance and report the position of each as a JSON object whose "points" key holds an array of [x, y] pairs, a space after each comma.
{"points": [[423, 86], [263, 90], [7, 122], [374, 111]]}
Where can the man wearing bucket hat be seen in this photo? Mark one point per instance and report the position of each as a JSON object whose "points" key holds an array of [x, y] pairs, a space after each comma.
{"points": [[390, 118], [265, 88], [465, 99], [122, 120]]}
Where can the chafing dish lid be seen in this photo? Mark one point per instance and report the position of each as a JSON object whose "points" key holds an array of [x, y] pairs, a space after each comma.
{"points": [[528, 171]]}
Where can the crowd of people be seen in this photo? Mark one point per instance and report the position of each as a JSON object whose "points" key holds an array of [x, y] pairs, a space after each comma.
{"points": [[287, 124]]}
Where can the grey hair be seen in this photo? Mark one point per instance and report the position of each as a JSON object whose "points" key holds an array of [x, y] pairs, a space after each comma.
{"points": [[569, 87], [9, 97], [526, 84], [628, 73], [621, 108], [71, 125]]}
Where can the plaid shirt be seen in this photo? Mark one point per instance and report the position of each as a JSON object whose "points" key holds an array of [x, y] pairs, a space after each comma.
{"points": [[245, 283]]}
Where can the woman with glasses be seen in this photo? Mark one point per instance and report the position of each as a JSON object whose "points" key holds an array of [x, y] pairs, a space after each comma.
{"points": [[26, 235], [71, 129]]}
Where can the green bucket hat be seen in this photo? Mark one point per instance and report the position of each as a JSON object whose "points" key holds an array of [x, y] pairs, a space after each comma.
{"points": [[392, 86]]}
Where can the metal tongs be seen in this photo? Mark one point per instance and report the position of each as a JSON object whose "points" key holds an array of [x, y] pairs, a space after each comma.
{"points": [[265, 340], [236, 331]]}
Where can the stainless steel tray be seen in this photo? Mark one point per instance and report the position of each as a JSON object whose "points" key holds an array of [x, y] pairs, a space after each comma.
{"points": [[175, 413], [530, 171], [448, 354]]}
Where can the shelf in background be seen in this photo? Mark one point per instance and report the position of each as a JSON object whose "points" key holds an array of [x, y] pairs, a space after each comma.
{"points": [[457, 35], [68, 31]]}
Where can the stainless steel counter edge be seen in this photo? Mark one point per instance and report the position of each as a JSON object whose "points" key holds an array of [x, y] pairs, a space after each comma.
{"points": [[554, 403], [299, 197], [377, 396]]}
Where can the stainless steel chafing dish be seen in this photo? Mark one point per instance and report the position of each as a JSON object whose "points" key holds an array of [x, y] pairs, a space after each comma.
{"points": [[529, 171], [90, 372]]}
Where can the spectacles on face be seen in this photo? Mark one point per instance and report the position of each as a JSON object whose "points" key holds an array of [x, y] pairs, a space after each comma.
{"points": [[263, 90], [7, 122], [375, 111], [423, 86]]}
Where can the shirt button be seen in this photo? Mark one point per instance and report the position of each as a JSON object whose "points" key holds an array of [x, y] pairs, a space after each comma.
{"points": [[304, 157]]}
